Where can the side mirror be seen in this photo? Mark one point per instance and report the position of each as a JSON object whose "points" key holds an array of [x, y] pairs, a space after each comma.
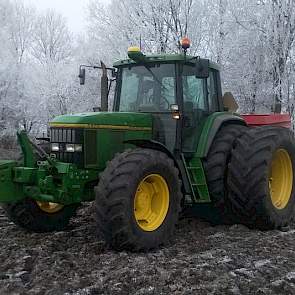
{"points": [[82, 75], [202, 68]]}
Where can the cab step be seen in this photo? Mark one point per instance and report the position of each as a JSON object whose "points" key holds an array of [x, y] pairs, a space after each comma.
{"points": [[196, 175]]}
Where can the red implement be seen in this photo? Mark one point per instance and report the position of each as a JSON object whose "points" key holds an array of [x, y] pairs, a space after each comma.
{"points": [[283, 120]]}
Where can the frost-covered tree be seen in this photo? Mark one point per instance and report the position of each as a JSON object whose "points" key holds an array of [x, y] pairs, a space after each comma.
{"points": [[38, 69], [252, 40], [52, 40], [16, 29]]}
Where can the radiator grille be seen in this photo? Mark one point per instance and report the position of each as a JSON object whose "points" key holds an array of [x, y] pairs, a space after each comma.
{"points": [[90, 148], [64, 136]]}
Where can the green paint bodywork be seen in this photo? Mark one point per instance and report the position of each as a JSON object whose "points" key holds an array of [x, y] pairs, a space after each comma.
{"points": [[113, 141], [107, 118], [210, 128], [111, 133], [27, 150], [10, 191]]}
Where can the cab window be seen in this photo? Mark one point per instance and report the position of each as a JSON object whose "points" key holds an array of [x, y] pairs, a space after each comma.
{"points": [[149, 88], [194, 91]]}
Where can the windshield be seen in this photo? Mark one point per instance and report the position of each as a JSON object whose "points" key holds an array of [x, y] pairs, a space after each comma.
{"points": [[149, 88]]}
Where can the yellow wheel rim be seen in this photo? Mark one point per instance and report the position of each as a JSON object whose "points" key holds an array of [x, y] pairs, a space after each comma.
{"points": [[49, 207], [151, 202], [281, 179]]}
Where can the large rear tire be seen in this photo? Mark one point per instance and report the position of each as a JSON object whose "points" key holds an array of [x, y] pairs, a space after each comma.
{"points": [[40, 216], [215, 166], [138, 200], [261, 177]]}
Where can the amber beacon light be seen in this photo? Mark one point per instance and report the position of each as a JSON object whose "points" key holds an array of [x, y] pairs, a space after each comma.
{"points": [[185, 43]]}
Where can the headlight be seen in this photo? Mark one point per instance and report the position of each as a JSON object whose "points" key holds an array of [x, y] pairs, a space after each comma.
{"points": [[71, 148], [55, 147]]}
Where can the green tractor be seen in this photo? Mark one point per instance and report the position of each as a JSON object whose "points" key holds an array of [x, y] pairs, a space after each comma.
{"points": [[171, 145]]}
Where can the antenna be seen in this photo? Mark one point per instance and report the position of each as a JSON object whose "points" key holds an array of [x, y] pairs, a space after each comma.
{"points": [[140, 42]]}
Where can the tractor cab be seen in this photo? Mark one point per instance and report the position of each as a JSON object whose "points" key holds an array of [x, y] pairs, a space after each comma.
{"points": [[180, 91]]}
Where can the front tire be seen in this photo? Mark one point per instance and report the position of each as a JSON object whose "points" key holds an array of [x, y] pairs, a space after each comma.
{"points": [[138, 200], [40, 216]]}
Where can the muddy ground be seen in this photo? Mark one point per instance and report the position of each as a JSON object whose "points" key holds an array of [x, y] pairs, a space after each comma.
{"points": [[201, 260]]}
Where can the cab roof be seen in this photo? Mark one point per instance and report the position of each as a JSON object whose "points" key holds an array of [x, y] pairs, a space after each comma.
{"points": [[164, 58]]}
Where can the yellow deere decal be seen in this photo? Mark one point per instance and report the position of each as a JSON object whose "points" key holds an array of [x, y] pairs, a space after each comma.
{"points": [[95, 126]]}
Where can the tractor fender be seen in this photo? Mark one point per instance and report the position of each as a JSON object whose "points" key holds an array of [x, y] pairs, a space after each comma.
{"points": [[153, 144], [211, 127]]}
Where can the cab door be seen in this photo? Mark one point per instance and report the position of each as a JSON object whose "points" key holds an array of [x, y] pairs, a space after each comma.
{"points": [[201, 97]]}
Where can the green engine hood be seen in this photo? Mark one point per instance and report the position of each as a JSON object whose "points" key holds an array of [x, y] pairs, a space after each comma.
{"points": [[105, 120]]}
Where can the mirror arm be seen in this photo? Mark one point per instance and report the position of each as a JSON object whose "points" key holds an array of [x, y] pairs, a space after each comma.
{"points": [[97, 67], [82, 73]]}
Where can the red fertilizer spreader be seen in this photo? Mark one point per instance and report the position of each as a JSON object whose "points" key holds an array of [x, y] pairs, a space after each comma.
{"points": [[283, 120]]}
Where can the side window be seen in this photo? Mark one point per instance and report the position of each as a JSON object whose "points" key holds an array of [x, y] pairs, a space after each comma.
{"points": [[129, 91], [193, 92], [212, 92], [168, 90]]}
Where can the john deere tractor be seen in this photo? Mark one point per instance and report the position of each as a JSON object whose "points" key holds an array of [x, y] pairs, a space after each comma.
{"points": [[172, 144]]}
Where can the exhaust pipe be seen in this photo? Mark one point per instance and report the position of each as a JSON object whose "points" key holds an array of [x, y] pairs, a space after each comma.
{"points": [[104, 88]]}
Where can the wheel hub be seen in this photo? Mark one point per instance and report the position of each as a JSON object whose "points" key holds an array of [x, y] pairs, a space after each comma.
{"points": [[281, 179], [49, 207], [151, 202]]}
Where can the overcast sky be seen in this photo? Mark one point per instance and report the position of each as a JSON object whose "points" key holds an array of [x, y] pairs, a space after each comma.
{"points": [[73, 10]]}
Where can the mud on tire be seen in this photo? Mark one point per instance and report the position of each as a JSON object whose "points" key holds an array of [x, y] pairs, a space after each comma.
{"points": [[115, 196], [260, 155]]}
